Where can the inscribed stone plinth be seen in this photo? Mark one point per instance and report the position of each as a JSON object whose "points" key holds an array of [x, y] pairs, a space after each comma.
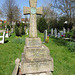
{"points": [[36, 60], [37, 54], [33, 42]]}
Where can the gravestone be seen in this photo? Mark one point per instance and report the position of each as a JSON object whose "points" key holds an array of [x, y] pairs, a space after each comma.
{"points": [[36, 59], [64, 30], [45, 35], [55, 32], [3, 37], [12, 30], [59, 35], [27, 31], [68, 30], [52, 32]]}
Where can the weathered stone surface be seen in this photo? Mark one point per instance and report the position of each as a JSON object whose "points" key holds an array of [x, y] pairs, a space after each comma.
{"points": [[17, 62], [33, 42], [48, 73], [36, 58], [37, 67], [37, 54]]}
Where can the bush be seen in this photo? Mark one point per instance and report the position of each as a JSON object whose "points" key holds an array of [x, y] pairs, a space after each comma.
{"points": [[19, 40], [42, 25], [48, 31], [71, 46], [22, 27], [2, 26], [19, 29], [71, 34], [8, 27]]}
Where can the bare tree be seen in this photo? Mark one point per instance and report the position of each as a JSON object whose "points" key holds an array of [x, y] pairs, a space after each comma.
{"points": [[16, 13], [67, 7], [49, 14], [11, 11], [1, 13]]}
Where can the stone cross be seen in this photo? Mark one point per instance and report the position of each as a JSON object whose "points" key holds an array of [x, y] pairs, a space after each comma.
{"points": [[33, 11]]}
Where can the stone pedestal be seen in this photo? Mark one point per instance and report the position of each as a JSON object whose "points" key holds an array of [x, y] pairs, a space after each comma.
{"points": [[36, 59]]}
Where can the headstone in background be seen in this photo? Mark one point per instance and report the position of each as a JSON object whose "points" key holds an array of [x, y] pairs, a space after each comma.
{"points": [[27, 31], [64, 30], [7, 33], [12, 30], [5, 27], [55, 32], [52, 32], [3, 38], [68, 30], [45, 35], [59, 35]]}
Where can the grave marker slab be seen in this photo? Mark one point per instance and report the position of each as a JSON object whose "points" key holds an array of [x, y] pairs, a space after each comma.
{"points": [[55, 32], [64, 30], [59, 35], [68, 30], [52, 32], [45, 35]]}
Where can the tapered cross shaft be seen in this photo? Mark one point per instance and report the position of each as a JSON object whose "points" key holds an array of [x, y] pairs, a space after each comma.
{"points": [[33, 11]]}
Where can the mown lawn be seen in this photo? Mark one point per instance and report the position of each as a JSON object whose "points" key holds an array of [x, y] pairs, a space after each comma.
{"points": [[64, 60]]}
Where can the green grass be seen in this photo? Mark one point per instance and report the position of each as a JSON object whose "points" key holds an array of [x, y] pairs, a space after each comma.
{"points": [[1, 34], [8, 53], [64, 60]]}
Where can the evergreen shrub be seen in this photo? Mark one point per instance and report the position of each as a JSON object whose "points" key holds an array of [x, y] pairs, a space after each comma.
{"points": [[19, 29]]}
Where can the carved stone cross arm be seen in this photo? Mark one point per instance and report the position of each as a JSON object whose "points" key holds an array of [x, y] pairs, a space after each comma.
{"points": [[39, 11], [27, 10]]}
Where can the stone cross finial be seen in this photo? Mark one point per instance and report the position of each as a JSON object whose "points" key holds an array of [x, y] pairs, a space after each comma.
{"points": [[33, 11]]}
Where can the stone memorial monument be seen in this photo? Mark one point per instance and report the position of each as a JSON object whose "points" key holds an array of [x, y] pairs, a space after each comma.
{"points": [[27, 31], [55, 32], [45, 35], [68, 30], [52, 32], [58, 35], [64, 30], [36, 59]]}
